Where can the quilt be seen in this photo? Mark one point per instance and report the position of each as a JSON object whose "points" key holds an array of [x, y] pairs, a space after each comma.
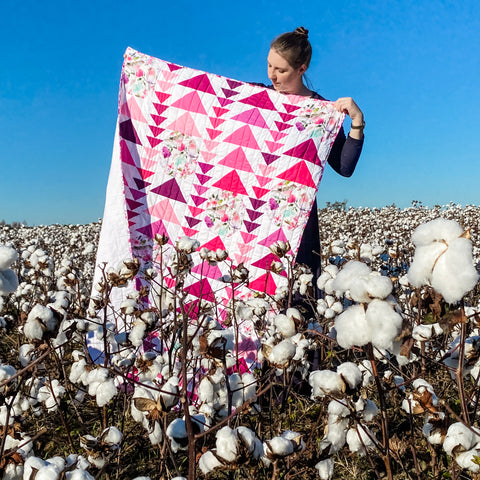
{"points": [[233, 165]]}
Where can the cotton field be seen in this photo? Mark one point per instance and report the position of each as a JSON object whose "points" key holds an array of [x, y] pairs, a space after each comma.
{"points": [[377, 377]]}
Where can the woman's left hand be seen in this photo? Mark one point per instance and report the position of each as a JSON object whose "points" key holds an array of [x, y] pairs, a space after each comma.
{"points": [[349, 107]]}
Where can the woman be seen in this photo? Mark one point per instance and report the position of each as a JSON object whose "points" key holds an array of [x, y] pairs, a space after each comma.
{"points": [[288, 60]]}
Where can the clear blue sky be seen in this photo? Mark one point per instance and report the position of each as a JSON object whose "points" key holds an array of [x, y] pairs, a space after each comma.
{"points": [[412, 66]]}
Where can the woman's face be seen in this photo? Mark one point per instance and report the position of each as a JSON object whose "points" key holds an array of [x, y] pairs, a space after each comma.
{"points": [[284, 77]]}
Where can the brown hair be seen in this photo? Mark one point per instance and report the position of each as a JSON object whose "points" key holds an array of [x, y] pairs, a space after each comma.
{"points": [[294, 47]]}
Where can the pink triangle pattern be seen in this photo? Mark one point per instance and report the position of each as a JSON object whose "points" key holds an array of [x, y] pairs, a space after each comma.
{"points": [[227, 145]]}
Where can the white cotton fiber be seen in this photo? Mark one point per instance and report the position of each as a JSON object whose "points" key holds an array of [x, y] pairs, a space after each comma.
{"points": [[325, 382], [251, 441], [279, 447], [436, 230], [384, 323], [454, 274], [350, 373], [227, 444], [467, 460], [209, 462], [7, 256], [285, 325], [105, 392], [325, 469], [352, 327], [336, 434], [360, 439], [443, 259], [282, 353], [348, 274], [459, 437], [338, 408]]}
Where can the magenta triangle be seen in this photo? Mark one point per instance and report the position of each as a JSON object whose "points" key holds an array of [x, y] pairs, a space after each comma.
{"points": [[203, 178], [286, 117], [125, 155], [299, 173], [173, 67], [171, 190], [162, 96], [160, 108], [306, 151], [252, 117], [266, 262], [290, 108], [156, 130], [201, 289], [205, 167], [232, 183], [190, 102], [275, 236], [158, 119], [152, 229], [200, 83], [224, 101], [260, 100], [282, 126], [198, 200]]}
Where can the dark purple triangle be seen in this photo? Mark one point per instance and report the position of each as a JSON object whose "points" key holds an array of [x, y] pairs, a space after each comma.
{"points": [[192, 221], [131, 214], [136, 194], [250, 225], [256, 203], [234, 84], [270, 157], [171, 190], [133, 204], [141, 184], [127, 131], [254, 214], [229, 93]]}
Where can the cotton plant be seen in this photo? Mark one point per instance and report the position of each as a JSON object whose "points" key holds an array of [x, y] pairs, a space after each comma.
{"points": [[101, 450], [443, 259]]}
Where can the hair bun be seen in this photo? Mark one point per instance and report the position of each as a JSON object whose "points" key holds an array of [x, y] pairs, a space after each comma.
{"points": [[302, 31]]}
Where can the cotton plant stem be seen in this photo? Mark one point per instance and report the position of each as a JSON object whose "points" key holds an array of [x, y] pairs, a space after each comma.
{"points": [[459, 370], [383, 409]]}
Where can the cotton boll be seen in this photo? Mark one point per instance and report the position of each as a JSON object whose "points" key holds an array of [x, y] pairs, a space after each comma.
{"points": [[384, 323], [454, 274], [278, 447], [467, 460], [338, 408], [422, 333], [209, 462], [227, 444], [250, 440], [325, 469], [352, 328], [436, 230], [326, 382], [112, 436], [459, 438], [156, 436], [137, 333], [350, 374], [8, 255], [360, 439], [368, 409], [349, 273], [177, 433], [282, 353], [336, 433], [423, 262], [285, 325]]}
